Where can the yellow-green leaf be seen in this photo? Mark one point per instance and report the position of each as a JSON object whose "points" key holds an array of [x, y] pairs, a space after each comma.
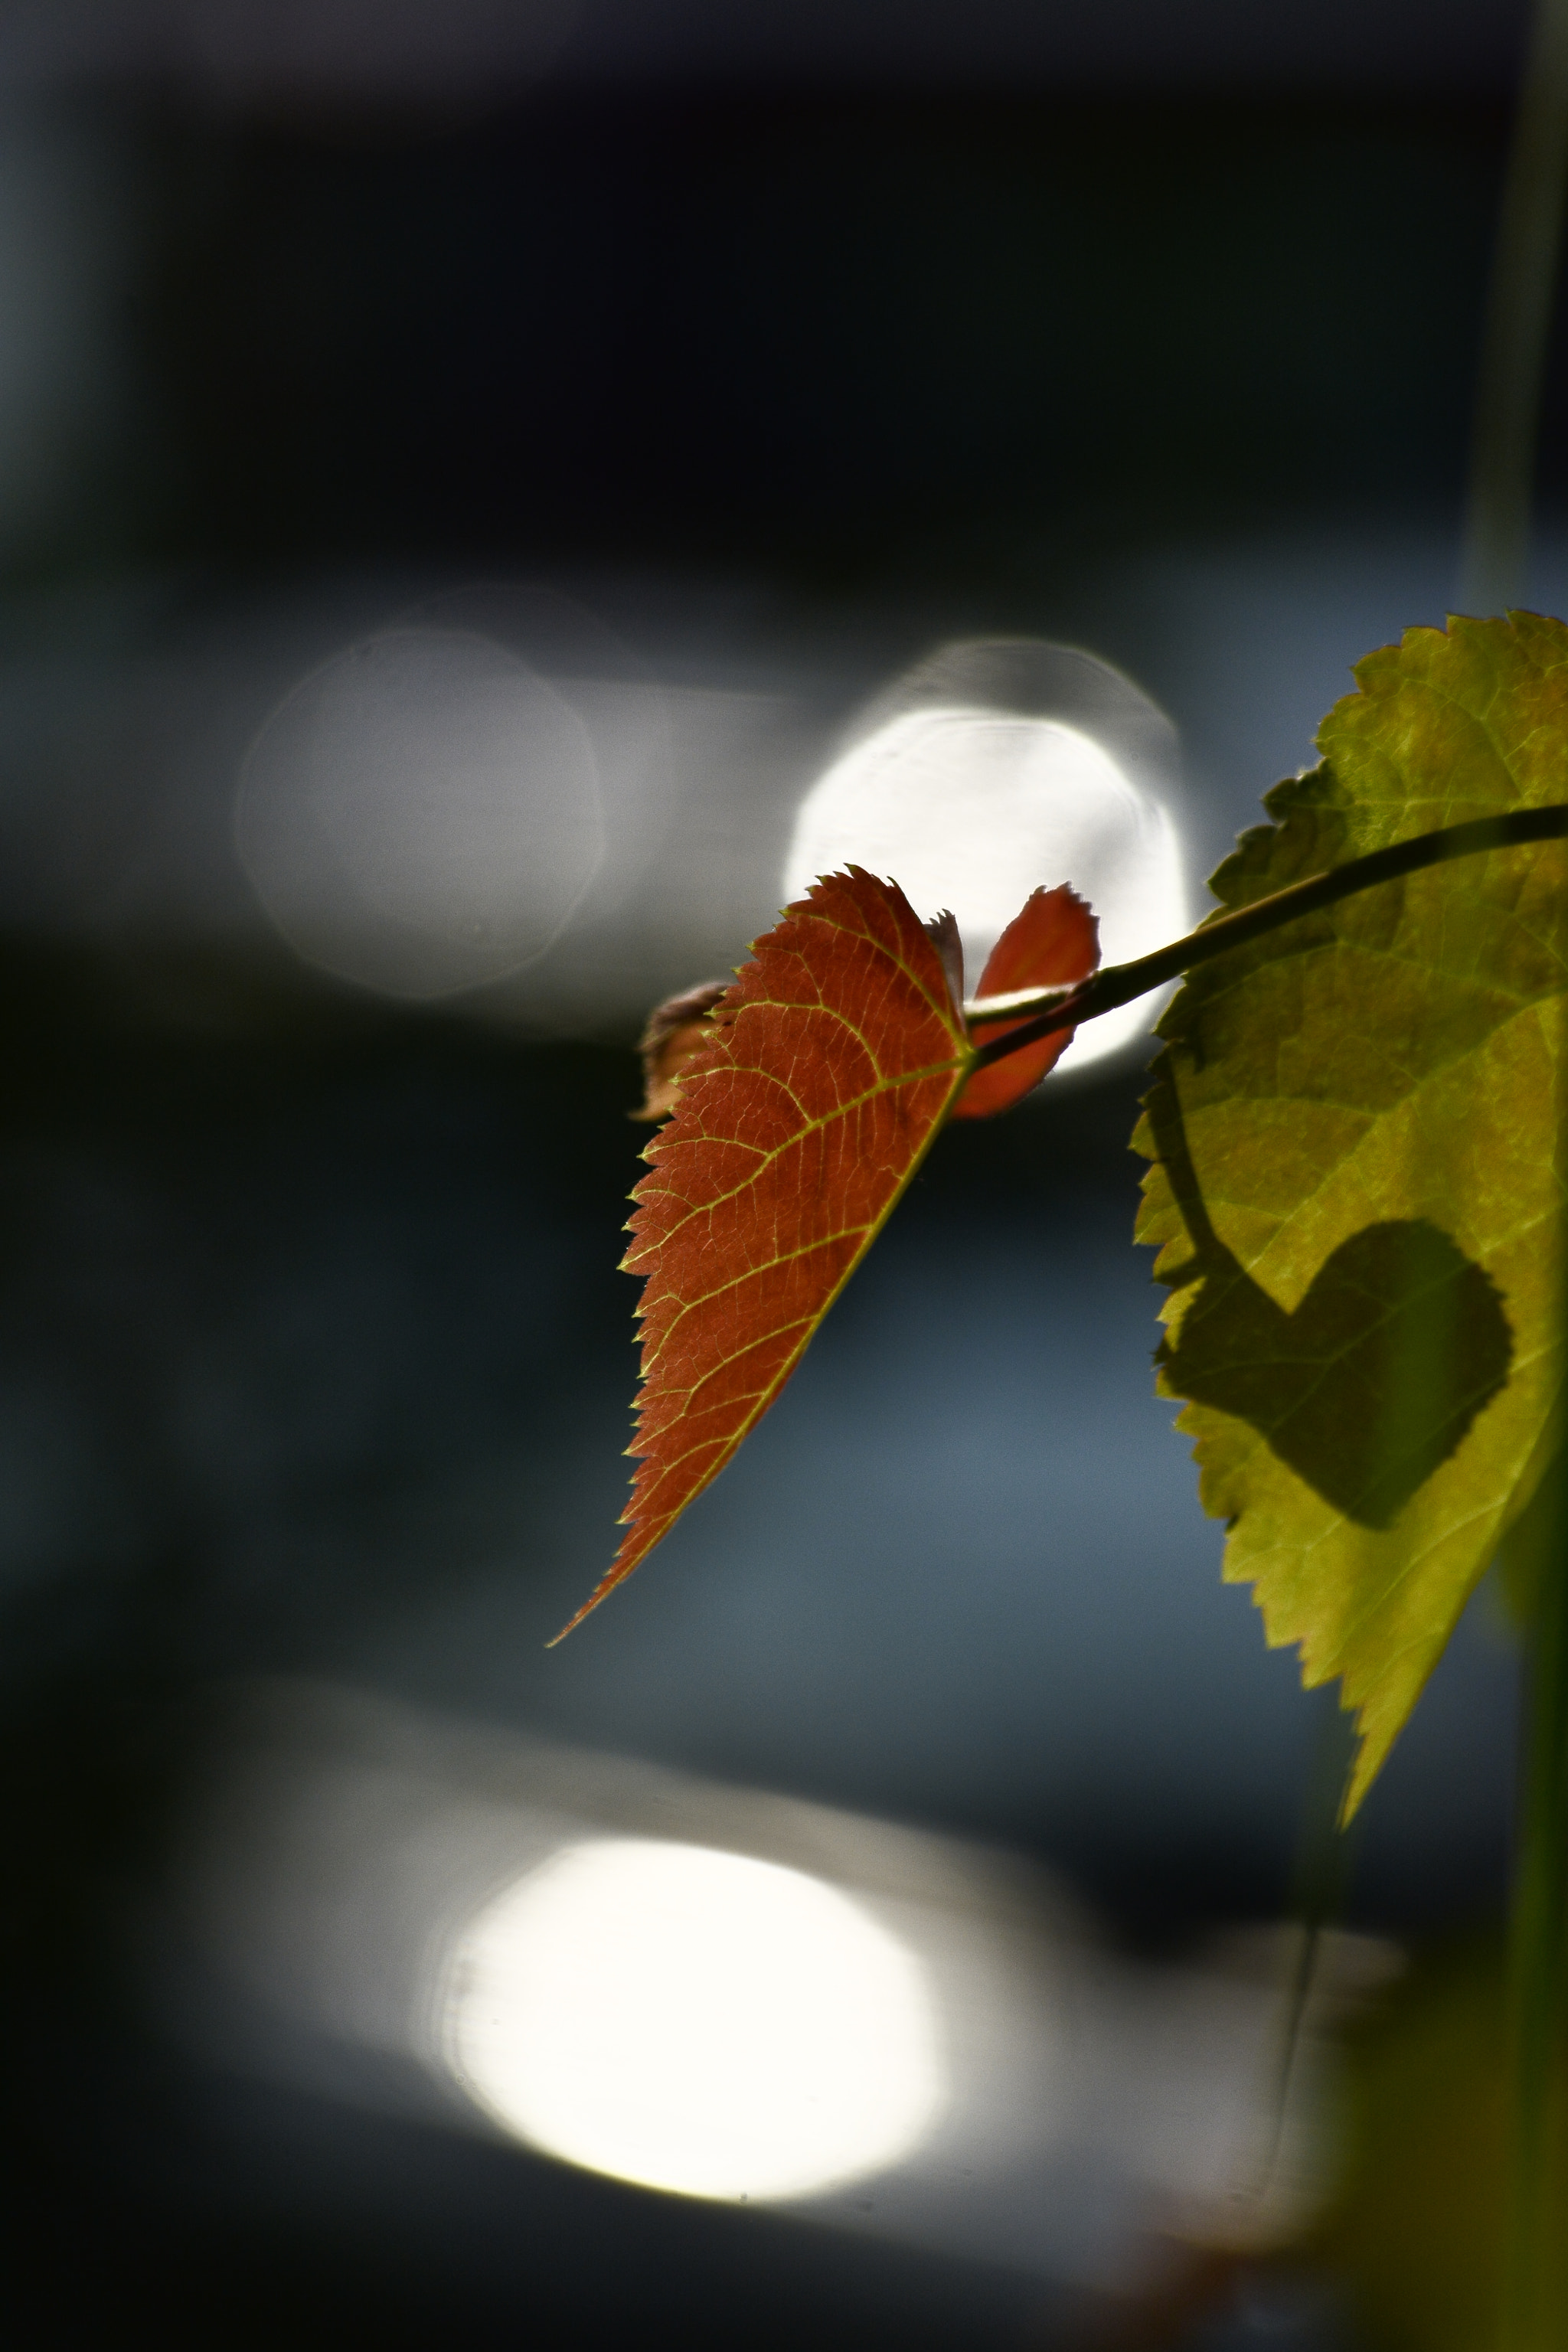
{"points": [[1357, 1185]]}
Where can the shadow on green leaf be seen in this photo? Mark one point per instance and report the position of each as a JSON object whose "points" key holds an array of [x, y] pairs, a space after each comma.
{"points": [[1376, 1376]]}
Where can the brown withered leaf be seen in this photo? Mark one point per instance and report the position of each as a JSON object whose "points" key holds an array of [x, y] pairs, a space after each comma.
{"points": [[677, 1031]]}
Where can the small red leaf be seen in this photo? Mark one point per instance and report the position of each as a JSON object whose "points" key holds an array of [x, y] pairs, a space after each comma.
{"points": [[834, 1060], [1055, 941]]}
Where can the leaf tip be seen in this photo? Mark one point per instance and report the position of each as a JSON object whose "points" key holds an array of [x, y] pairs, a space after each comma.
{"points": [[632, 1552], [572, 1621]]}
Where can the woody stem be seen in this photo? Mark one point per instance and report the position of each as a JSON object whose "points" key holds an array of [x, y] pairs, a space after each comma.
{"points": [[1057, 1008]]}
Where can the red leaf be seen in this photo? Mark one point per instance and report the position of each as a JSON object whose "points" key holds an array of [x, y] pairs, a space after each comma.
{"points": [[1054, 941], [835, 1058]]}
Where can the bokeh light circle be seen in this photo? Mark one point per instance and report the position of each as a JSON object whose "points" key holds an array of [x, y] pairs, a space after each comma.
{"points": [[421, 814], [695, 2020], [972, 808]]}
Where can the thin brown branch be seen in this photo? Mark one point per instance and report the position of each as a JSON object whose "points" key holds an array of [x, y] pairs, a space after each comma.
{"points": [[1120, 984]]}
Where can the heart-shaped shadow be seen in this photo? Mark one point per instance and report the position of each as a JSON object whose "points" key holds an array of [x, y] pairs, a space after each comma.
{"points": [[1376, 1376]]}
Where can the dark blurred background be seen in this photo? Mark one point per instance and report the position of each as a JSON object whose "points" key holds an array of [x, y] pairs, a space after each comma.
{"points": [[779, 345]]}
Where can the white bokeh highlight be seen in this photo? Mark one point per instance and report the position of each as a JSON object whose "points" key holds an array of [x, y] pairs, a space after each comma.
{"points": [[973, 808], [422, 813], [696, 2020]]}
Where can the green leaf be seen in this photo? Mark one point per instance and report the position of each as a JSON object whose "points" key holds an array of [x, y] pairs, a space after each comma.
{"points": [[1356, 1188]]}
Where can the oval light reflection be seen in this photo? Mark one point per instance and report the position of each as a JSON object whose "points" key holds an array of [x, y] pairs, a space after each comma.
{"points": [[972, 808], [696, 2020]]}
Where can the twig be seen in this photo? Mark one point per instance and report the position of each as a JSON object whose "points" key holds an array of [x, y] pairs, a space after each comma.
{"points": [[1120, 984]]}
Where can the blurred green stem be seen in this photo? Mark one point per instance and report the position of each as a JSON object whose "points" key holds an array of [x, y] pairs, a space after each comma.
{"points": [[1535, 2293], [1507, 414], [1517, 325], [1322, 1872]]}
